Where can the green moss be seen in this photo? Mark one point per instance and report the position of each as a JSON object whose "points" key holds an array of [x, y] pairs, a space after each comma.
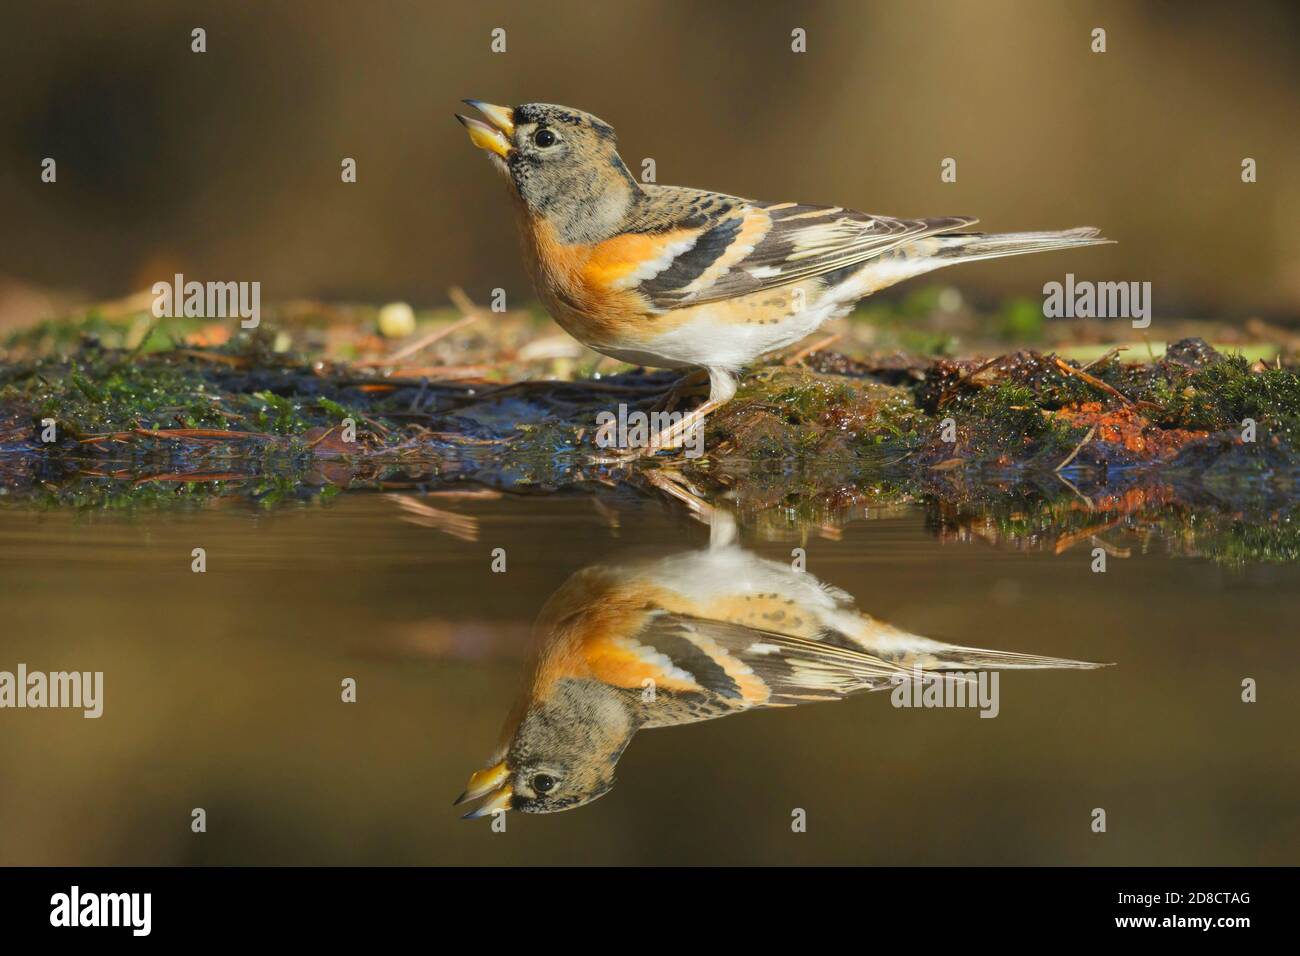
{"points": [[794, 413], [1272, 542], [1006, 410], [280, 484], [279, 415], [99, 392], [800, 397], [542, 442], [805, 445], [95, 395], [1223, 395]]}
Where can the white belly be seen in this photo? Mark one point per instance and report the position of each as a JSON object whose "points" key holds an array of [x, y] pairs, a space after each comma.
{"points": [[708, 340]]}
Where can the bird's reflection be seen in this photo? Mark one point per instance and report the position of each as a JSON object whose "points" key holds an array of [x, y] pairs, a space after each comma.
{"points": [[690, 637]]}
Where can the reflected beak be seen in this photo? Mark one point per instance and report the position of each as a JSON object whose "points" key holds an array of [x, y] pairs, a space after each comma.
{"points": [[498, 801], [494, 135], [484, 781]]}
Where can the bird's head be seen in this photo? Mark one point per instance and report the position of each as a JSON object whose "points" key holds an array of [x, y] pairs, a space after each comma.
{"points": [[562, 163], [561, 755]]}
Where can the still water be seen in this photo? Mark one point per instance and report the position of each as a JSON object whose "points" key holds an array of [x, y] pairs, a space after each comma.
{"points": [[223, 690]]}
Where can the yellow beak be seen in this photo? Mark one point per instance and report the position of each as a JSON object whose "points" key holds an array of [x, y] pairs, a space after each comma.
{"points": [[494, 138], [498, 801], [492, 783], [484, 781]]}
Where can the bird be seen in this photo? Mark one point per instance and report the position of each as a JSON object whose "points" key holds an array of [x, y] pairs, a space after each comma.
{"points": [[679, 278], [692, 636]]}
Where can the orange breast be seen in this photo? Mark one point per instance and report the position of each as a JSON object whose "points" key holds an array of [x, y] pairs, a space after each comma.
{"points": [[580, 284]]}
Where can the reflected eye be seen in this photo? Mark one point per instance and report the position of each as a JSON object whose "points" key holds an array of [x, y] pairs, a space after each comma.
{"points": [[544, 138], [543, 783]]}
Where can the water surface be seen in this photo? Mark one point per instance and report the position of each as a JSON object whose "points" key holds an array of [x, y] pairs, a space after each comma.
{"points": [[222, 691]]}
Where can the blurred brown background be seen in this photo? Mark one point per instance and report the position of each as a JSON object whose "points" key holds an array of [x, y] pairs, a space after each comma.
{"points": [[225, 165]]}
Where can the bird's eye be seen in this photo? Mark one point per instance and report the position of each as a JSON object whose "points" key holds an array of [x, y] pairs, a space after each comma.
{"points": [[544, 138], [543, 783]]}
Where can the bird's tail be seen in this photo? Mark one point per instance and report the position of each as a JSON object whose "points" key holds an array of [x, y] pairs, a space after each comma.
{"points": [[919, 256], [953, 657], [952, 248], [909, 651]]}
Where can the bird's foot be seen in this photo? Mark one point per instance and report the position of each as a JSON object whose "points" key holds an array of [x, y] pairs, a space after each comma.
{"points": [[689, 384], [623, 456]]}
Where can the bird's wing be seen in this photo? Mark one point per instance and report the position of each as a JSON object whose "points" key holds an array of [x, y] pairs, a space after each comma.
{"points": [[723, 246], [742, 665]]}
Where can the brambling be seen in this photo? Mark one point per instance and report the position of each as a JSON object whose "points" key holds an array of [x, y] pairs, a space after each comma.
{"points": [[690, 637], [672, 277]]}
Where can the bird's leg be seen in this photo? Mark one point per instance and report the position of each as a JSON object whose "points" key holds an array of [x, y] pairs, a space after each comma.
{"points": [[722, 387], [685, 385], [672, 483], [674, 436]]}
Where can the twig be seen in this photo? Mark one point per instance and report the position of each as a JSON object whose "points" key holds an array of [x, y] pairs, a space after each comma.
{"points": [[1091, 380], [469, 313], [803, 353], [459, 439], [463, 302], [448, 372], [1069, 484], [237, 361], [192, 476], [182, 434], [956, 386], [463, 527], [419, 396], [1113, 550], [886, 464], [1078, 448], [144, 338], [1107, 357], [1068, 541], [582, 385], [949, 464], [375, 425], [321, 437], [486, 494], [422, 343]]}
